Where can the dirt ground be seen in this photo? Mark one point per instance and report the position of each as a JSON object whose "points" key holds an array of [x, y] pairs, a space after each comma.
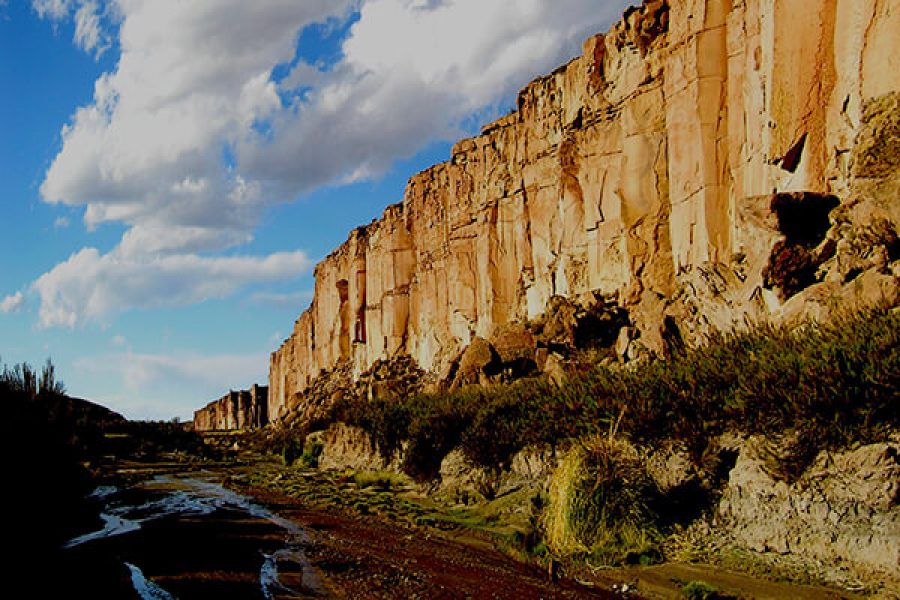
{"points": [[355, 555], [370, 557], [366, 557]]}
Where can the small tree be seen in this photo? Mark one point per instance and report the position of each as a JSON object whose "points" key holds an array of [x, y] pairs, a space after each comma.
{"points": [[48, 383], [22, 379]]}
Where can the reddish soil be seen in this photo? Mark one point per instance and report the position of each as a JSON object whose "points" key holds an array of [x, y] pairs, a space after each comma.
{"points": [[359, 557]]}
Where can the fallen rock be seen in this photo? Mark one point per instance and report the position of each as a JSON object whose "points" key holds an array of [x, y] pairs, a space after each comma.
{"points": [[623, 342], [670, 467], [513, 343], [477, 363]]}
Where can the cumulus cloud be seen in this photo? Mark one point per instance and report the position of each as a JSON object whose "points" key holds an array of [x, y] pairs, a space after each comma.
{"points": [[89, 34], [193, 78], [61, 223], [90, 285], [149, 152], [191, 138], [12, 303], [52, 9], [411, 72]]}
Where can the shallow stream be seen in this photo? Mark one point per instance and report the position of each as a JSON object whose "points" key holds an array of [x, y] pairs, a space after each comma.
{"points": [[177, 537]]}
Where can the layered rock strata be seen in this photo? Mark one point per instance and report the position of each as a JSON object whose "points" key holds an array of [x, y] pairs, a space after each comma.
{"points": [[704, 162], [244, 409], [843, 509]]}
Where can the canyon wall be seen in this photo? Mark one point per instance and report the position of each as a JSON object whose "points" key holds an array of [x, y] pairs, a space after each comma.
{"points": [[244, 409], [702, 163]]}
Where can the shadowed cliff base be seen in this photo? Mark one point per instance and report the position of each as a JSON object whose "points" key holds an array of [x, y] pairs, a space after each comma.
{"points": [[390, 541]]}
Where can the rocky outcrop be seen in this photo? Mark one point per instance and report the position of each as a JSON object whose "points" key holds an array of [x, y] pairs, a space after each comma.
{"points": [[642, 172], [348, 447], [838, 521], [843, 511], [398, 377], [244, 409]]}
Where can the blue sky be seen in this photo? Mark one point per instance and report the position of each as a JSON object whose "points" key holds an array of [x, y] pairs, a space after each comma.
{"points": [[170, 172]]}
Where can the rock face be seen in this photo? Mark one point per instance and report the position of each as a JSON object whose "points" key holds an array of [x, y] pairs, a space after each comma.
{"points": [[703, 162], [244, 409], [347, 447], [846, 505]]}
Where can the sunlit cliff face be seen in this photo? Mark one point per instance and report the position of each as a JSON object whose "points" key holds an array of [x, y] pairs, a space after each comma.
{"points": [[642, 170]]}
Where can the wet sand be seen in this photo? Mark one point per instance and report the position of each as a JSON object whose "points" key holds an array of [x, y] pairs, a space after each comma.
{"points": [[217, 555]]}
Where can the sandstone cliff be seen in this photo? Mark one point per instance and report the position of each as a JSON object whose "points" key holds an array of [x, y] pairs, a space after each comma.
{"points": [[704, 162], [244, 409]]}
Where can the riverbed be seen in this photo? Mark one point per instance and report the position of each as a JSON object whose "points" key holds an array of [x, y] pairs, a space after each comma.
{"points": [[187, 536], [174, 533], [167, 531]]}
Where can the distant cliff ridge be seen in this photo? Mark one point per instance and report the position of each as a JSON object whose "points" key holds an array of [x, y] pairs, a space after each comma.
{"points": [[244, 409], [704, 162]]}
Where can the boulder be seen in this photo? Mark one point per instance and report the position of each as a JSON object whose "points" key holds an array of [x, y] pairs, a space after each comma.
{"points": [[513, 343], [478, 362]]}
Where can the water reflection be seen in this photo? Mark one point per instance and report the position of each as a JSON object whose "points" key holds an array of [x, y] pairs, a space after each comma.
{"points": [[181, 502]]}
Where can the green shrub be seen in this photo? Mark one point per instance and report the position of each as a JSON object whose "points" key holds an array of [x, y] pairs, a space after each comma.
{"points": [[387, 420], [832, 384], [699, 590], [290, 447], [599, 503], [379, 480], [312, 449], [436, 427]]}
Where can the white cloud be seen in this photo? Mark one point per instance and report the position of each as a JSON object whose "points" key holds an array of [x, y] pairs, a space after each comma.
{"points": [[412, 71], [295, 301], [89, 286], [160, 386], [12, 303], [52, 9], [190, 139], [61, 223], [119, 340], [89, 34], [303, 75], [193, 78]]}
